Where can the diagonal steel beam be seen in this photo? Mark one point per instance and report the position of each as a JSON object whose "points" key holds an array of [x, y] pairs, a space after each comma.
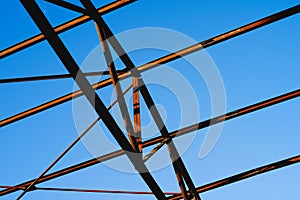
{"points": [[244, 175], [155, 149], [68, 6], [32, 185], [162, 60], [70, 64], [62, 28], [189, 129], [92, 11], [228, 116], [81, 135]]}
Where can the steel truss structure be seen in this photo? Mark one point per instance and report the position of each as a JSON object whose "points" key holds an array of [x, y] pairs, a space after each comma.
{"points": [[133, 146]]}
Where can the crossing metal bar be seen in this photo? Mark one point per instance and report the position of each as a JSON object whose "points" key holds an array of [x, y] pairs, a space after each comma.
{"points": [[242, 111], [81, 135], [155, 149], [180, 180], [70, 64], [177, 162], [244, 175], [165, 59], [59, 157], [62, 28]]}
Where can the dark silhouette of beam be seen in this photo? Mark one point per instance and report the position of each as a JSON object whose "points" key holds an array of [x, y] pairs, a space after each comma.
{"points": [[69, 6], [70, 64]]}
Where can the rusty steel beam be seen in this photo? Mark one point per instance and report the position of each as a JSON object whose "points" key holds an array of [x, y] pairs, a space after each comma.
{"points": [[92, 11], [222, 37], [227, 116], [62, 28], [239, 112], [155, 149], [64, 55], [137, 112], [165, 59], [100, 191], [244, 175]]}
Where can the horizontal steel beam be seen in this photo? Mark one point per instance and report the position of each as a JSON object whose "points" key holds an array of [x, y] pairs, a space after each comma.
{"points": [[62, 28], [53, 77], [207, 43]]}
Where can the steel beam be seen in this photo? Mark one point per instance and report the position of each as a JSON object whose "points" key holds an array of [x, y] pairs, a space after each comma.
{"points": [[62, 28], [137, 112], [227, 116], [155, 149], [244, 175], [70, 64], [100, 191], [204, 44], [68, 6]]}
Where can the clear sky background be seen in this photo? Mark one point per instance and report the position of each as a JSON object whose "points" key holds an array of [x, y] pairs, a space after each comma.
{"points": [[254, 67]]}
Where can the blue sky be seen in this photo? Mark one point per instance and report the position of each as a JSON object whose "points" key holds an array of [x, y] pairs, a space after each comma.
{"points": [[254, 67]]}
